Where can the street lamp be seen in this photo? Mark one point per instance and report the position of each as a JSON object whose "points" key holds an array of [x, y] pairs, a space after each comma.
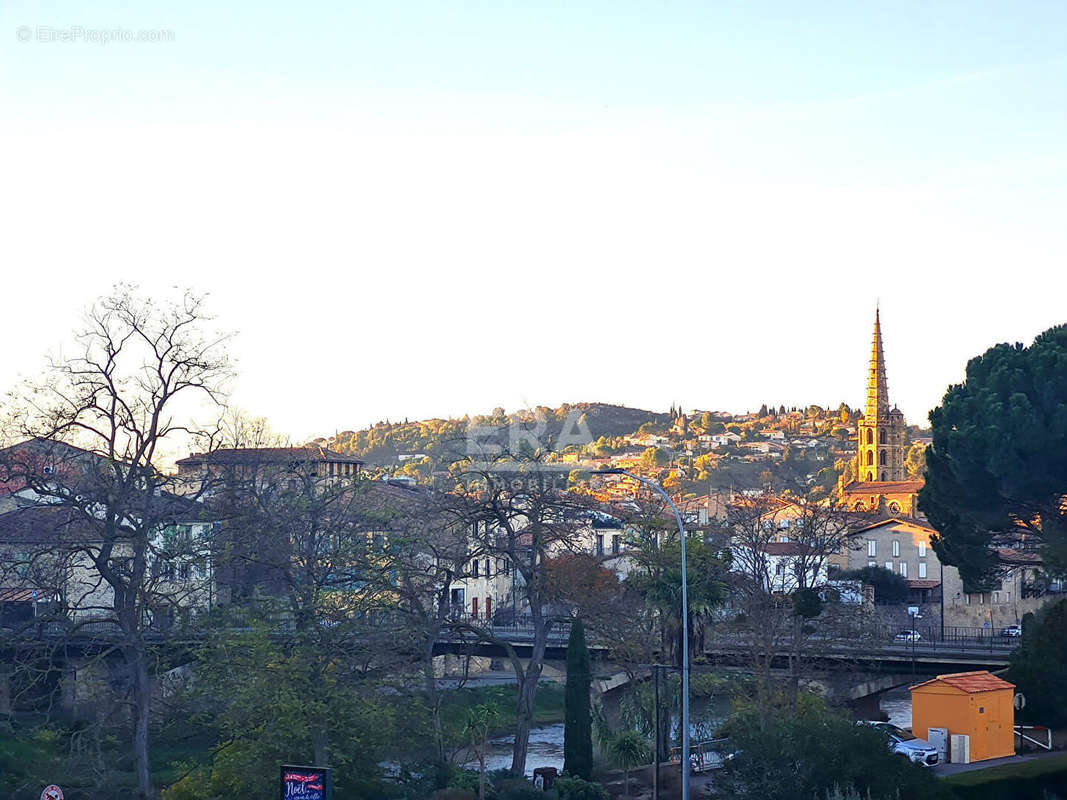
{"points": [[685, 623]]}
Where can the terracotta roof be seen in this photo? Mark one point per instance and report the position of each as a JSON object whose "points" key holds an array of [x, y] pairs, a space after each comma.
{"points": [[24, 595], [923, 584], [914, 523], [970, 682], [267, 455], [786, 549], [1009, 556], [883, 487]]}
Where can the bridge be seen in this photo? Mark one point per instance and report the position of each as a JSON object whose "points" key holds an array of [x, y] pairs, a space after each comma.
{"points": [[857, 670], [876, 653]]}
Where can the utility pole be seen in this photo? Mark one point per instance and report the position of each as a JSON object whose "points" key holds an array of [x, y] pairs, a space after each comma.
{"points": [[685, 618]]}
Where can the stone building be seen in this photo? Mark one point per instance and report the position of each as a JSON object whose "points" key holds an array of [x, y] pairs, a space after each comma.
{"points": [[881, 483], [880, 452]]}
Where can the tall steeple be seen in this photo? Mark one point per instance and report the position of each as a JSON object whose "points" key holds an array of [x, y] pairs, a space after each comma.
{"points": [[880, 434], [877, 389]]}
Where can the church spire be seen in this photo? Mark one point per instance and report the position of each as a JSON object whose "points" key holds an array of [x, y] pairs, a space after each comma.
{"points": [[877, 389]]}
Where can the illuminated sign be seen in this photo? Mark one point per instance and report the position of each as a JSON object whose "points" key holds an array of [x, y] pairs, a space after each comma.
{"points": [[306, 783]]}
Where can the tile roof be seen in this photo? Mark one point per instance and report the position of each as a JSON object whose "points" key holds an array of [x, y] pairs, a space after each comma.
{"points": [[786, 549], [923, 584], [970, 682], [267, 455], [1009, 556], [883, 487], [24, 595]]}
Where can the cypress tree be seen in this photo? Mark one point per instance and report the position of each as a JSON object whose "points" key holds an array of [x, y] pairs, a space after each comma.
{"points": [[578, 721]]}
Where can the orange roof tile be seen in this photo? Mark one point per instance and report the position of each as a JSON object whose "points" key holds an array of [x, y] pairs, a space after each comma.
{"points": [[970, 682], [883, 487]]}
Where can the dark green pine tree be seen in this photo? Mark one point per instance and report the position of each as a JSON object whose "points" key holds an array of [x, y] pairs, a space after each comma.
{"points": [[578, 721]]}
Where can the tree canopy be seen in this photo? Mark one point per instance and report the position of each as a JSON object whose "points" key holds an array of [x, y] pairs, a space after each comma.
{"points": [[1039, 666], [996, 472]]}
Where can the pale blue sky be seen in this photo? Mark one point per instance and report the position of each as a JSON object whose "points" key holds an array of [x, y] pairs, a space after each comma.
{"points": [[416, 209]]}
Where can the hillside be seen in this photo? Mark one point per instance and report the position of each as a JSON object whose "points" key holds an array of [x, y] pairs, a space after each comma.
{"points": [[778, 448]]}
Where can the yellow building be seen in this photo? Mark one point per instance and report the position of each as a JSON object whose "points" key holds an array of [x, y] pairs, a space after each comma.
{"points": [[881, 484], [976, 704]]}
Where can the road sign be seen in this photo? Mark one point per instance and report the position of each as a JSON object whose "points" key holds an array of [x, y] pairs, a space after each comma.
{"points": [[52, 792]]}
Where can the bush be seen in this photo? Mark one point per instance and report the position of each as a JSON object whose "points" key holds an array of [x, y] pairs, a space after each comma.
{"points": [[454, 794], [815, 753], [1046, 777], [889, 588], [468, 779], [520, 790], [577, 789]]}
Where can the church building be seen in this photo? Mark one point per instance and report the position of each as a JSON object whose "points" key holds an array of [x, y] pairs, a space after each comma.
{"points": [[881, 484]]}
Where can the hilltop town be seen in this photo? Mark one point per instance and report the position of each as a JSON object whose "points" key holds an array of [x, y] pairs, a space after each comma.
{"points": [[361, 581]]}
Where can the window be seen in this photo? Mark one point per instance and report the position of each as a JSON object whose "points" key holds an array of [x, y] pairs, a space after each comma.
{"points": [[896, 548], [872, 548], [600, 544], [474, 572], [872, 564], [996, 597], [488, 607], [922, 549], [903, 569], [889, 565], [881, 458], [488, 571], [922, 569], [881, 437], [474, 607], [870, 436], [507, 565], [870, 457]]}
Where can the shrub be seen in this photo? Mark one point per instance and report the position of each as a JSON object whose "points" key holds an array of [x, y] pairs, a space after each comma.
{"points": [[454, 794], [815, 753], [577, 789], [468, 779], [520, 790]]}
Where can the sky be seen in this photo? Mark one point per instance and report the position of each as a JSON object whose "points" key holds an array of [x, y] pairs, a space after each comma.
{"points": [[420, 209]]}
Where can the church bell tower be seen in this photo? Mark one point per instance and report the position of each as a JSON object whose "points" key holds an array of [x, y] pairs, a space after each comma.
{"points": [[880, 445]]}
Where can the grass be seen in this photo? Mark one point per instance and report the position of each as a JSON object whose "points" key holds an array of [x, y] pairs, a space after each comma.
{"points": [[548, 705], [1023, 769], [32, 756]]}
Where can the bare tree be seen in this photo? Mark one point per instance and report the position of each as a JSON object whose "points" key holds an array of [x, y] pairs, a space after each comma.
{"points": [[124, 399], [314, 546], [518, 510], [780, 551]]}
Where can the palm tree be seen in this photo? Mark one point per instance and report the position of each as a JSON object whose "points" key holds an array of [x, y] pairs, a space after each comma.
{"points": [[628, 750], [480, 721]]}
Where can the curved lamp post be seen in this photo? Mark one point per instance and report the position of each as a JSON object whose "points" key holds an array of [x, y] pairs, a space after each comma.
{"points": [[685, 623]]}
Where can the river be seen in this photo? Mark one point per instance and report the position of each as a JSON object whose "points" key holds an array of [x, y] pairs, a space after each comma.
{"points": [[546, 741]]}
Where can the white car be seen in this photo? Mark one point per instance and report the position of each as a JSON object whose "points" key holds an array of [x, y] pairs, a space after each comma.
{"points": [[1012, 630], [919, 751], [907, 636]]}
